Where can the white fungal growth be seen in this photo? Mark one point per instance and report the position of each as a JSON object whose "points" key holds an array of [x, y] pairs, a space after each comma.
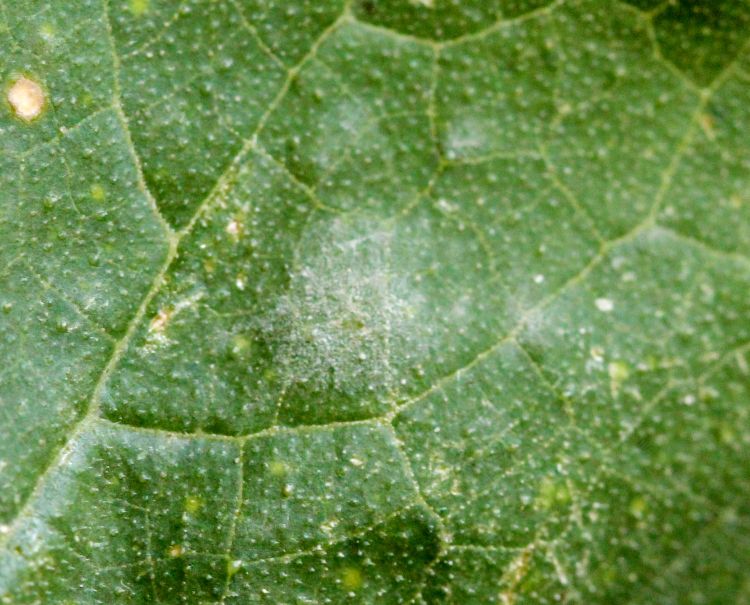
{"points": [[605, 305], [26, 97], [348, 315], [235, 229]]}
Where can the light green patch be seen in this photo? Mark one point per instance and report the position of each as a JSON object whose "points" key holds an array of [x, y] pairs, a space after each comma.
{"points": [[278, 468], [233, 567], [139, 7], [727, 433], [98, 193], [193, 504], [552, 493], [618, 371], [48, 32], [241, 345], [638, 507]]}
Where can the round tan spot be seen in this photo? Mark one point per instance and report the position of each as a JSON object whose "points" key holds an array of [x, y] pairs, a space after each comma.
{"points": [[27, 99]]}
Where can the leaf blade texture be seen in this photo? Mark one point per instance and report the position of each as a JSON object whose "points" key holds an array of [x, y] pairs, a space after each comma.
{"points": [[344, 301]]}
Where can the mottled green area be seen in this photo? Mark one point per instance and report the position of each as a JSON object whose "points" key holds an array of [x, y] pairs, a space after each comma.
{"points": [[396, 302]]}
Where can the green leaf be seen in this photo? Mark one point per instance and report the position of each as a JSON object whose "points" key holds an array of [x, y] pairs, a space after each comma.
{"points": [[375, 301]]}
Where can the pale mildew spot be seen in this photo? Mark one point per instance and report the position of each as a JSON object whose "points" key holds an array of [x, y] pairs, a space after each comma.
{"points": [[467, 135], [689, 399], [27, 99], [349, 312], [605, 305], [235, 229], [156, 335], [234, 566]]}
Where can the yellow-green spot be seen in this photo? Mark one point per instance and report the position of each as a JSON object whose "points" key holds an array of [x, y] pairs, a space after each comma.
{"points": [[608, 575], [87, 99], [619, 372], [726, 433], [638, 506], [707, 124], [47, 32], [241, 345], [193, 504], [98, 193], [175, 550], [233, 567], [351, 578], [278, 468], [552, 493], [139, 7]]}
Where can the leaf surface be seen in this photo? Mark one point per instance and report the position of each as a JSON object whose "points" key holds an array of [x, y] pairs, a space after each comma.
{"points": [[394, 301]]}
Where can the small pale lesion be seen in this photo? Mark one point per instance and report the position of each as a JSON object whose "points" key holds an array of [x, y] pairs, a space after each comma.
{"points": [[26, 98], [157, 327], [236, 229], [159, 322]]}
